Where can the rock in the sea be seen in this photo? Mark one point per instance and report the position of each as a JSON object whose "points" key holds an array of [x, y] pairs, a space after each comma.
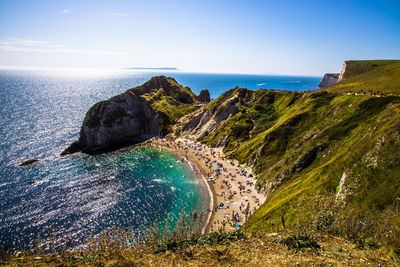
{"points": [[73, 148], [28, 162], [204, 96], [329, 79]]}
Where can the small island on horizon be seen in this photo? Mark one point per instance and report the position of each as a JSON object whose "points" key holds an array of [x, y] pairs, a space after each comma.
{"points": [[151, 68]]}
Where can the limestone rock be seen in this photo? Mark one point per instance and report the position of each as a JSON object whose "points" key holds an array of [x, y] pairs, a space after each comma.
{"points": [[207, 120], [329, 79]]}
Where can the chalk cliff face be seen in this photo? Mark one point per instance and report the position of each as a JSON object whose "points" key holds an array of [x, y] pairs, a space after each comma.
{"points": [[329, 79], [139, 113], [344, 71], [207, 120]]}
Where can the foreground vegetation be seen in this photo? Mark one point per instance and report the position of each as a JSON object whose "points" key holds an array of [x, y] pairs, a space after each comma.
{"points": [[218, 249], [185, 245]]}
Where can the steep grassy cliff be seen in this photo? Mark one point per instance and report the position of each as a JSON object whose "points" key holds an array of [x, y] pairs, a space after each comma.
{"points": [[370, 77], [352, 68], [326, 160]]}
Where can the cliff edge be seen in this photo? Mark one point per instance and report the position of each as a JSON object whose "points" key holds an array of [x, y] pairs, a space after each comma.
{"points": [[329, 79]]}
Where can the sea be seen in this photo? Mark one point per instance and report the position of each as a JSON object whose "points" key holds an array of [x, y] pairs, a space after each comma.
{"points": [[67, 200]]}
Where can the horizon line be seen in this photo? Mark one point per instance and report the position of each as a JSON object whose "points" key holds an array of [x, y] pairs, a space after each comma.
{"points": [[144, 69]]}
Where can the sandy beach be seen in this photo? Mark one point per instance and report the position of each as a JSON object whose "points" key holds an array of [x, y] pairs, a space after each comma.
{"points": [[233, 196]]}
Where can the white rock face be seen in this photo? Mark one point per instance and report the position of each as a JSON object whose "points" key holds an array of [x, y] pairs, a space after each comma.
{"points": [[328, 79], [341, 192], [342, 73], [208, 120]]}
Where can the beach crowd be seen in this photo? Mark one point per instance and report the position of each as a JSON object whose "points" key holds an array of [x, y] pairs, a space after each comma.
{"points": [[233, 186]]}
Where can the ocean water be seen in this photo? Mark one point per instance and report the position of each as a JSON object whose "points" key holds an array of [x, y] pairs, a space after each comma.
{"points": [[78, 196]]}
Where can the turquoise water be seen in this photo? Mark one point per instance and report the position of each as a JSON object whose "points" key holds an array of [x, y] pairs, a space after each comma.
{"points": [[79, 196]]}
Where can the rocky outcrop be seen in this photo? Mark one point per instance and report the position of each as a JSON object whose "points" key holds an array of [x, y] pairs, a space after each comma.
{"points": [[344, 71], [164, 86], [329, 79], [139, 113], [340, 195], [204, 96], [207, 120], [123, 118], [28, 162]]}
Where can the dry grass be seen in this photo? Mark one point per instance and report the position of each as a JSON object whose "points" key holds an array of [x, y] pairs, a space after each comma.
{"points": [[252, 251]]}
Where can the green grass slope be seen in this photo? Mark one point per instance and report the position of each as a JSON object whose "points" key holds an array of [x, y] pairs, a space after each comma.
{"points": [[376, 76], [165, 95], [356, 67], [326, 161], [169, 98]]}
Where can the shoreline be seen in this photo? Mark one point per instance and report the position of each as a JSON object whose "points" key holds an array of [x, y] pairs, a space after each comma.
{"points": [[201, 178], [211, 197], [232, 194]]}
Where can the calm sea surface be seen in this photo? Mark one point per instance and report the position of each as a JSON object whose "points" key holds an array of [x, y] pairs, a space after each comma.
{"points": [[78, 196]]}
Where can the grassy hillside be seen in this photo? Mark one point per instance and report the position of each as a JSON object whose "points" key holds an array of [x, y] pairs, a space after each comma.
{"points": [[327, 161], [375, 76], [356, 67], [169, 98]]}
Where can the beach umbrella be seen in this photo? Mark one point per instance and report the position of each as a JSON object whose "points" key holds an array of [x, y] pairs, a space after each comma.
{"points": [[238, 224], [221, 204]]}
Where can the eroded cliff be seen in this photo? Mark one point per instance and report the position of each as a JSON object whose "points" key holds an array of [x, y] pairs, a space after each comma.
{"points": [[329, 79]]}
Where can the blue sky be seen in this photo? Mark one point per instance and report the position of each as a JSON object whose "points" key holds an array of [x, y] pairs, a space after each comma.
{"points": [[286, 37]]}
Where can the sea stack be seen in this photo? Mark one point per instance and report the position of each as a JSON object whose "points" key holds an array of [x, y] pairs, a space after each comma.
{"points": [[204, 96]]}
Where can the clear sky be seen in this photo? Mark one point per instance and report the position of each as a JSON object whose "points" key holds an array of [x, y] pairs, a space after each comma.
{"points": [[282, 36]]}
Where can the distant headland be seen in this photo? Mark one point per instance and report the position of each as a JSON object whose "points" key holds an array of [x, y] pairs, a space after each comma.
{"points": [[157, 68]]}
